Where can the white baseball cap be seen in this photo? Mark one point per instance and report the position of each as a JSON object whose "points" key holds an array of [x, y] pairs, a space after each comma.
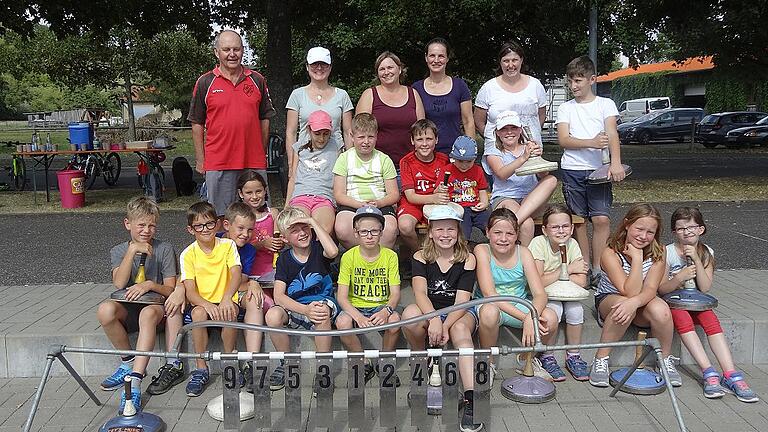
{"points": [[318, 54], [507, 118]]}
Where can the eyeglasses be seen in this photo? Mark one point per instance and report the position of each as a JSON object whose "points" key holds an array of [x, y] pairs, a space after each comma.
{"points": [[556, 228], [691, 229], [371, 232], [204, 226], [319, 65]]}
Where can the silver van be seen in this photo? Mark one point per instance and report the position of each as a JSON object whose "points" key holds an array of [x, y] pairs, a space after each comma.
{"points": [[634, 108]]}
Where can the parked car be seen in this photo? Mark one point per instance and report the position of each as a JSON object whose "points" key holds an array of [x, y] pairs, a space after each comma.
{"points": [[751, 136], [673, 123], [713, 128], [634, 108]]}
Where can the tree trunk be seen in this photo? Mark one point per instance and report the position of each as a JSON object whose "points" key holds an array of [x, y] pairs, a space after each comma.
{"points": [[127, 85], [278, 71]]}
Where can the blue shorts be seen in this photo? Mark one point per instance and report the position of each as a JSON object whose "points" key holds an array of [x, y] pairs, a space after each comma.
{"points": [[297, 320], [584, 199], [472, 219], [472, 311], [506, 319], [240, 310]]}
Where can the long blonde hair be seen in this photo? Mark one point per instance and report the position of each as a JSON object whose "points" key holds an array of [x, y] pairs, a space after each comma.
{"points": [[460, 249], [619, 237]]}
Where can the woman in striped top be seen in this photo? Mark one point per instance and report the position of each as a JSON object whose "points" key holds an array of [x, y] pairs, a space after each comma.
{"points": [[633, 266]]}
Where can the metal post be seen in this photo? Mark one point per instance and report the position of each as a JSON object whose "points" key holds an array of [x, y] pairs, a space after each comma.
{"points": [[660, 361], [77, 378], [39, 393]]}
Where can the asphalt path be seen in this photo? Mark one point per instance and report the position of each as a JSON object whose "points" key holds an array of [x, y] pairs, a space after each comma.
{"points": [[67, 248]]}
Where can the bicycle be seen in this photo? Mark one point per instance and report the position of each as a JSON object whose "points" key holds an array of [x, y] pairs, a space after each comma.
{"points": [[18, 173], [95, 165], [151, 175]]}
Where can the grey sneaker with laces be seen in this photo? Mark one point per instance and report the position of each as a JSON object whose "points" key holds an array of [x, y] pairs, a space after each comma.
{"points": [[599, 374], [674, 376]]}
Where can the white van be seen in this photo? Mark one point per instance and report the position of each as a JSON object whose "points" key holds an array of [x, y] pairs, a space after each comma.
{"points": [[632, 109]]}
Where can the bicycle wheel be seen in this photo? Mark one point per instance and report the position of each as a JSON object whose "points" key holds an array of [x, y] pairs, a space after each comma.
{"points": [[19, 173], [90, 172], [110, 169]]}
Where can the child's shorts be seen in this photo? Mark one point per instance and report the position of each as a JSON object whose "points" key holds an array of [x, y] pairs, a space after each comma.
{"points": [[297, 320], [471, 311], [386, 210], [506, 319], [132, 320], [406, 208], [311, 202], [240, 309], [584, 199]]}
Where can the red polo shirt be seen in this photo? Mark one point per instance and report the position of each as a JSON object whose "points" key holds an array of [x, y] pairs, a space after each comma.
{"points": [[232, 115]]}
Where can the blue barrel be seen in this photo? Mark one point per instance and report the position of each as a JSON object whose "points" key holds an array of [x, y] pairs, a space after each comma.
{"points": [[81, 134]]}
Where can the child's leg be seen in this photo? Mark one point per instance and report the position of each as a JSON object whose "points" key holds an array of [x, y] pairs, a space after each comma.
{"points": [[149, 317], [344, 322], [172, 326], [277, 317], [601, 230], [490, 319], [253, 315], [537, 198], [200, 335], [389, 235], [389, 340], [416, 332], [526, 225], [461, 335], [407, 226], [112, 316], [229, 339], [717, 342], [574, 321], [656, 313], [612, 331], [344, 229], [323, 343], [581, 235], [575, 194], [683, 322], [466, 223], [557, 308], [325, 216]]}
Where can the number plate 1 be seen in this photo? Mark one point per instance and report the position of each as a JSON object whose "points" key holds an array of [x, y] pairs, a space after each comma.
{"points": [[450, 374], [229, 377], [356, 393], [387, 392], [293, 416], [262, 396], [323, 386], [419, 382], [482, 393]]}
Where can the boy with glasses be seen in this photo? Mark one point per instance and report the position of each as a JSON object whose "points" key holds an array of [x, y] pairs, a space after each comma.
{"points": [[369, 285], [210, 271]]}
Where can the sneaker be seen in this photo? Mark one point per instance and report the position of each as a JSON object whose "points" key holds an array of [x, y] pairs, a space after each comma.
{"points": [[368, 372], [277, 378], [712, 387], [197, 382], [467, 418], [167, 376], [674, 376], [549, 363], [599, 375], [736, 385], [577, 367], [117, 379], [135, 397]]}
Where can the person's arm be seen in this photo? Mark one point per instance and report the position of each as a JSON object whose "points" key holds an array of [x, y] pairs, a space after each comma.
{"points": [[506, 171], [534, 280], [483, 201], [198, 139], [365, 104], [293, 163], [419, 105], [467, 278], [330, 250], [481, 118], [284, 300], [340, 193], [433, 198], [346, 129], [121, 275], [392, 196], [227, 305], [419, 286], [291, 129], [616, 169], [568, 142], [628, 285], [265, 134], [669, 284], [467, 118], [542, 116], [195, 299], [704, 274], [547, 278]]}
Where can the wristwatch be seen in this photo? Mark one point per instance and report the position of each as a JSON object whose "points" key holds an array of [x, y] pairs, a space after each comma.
{"points": [[389, 309]]}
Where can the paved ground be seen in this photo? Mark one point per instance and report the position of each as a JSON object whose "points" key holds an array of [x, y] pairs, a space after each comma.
{"points": [[65, 248], [578, 407]]}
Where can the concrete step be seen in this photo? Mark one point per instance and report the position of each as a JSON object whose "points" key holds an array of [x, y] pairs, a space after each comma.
{"points": [[34, 318]]}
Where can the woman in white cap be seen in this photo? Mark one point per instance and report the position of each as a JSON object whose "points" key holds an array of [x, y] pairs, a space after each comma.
{"points": [[525, 195], [512, 90], [319, 94]]}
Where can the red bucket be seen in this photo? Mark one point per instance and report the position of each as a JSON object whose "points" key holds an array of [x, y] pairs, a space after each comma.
{"points": [[72, 188]]}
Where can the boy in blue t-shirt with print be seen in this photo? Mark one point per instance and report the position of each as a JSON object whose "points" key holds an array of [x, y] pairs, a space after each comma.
{"points": [[303, 286]]}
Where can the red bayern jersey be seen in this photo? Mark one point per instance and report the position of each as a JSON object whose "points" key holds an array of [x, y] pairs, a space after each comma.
{"points": [[422, 177]]}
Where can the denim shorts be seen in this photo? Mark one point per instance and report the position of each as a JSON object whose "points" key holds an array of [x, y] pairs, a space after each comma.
{"points": [[506, 319], [297, 320], [240, 309], [584, 199]]}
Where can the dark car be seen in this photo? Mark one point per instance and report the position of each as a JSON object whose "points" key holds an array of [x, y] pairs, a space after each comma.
{"points": [[713, 128], [751, 136], [673, 123]]}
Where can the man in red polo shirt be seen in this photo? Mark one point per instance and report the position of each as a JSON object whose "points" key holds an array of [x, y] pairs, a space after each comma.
{"points": [[230, 112]]}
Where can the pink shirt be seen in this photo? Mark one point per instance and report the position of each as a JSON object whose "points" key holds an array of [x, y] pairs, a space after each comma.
{"points": [[263, 228]]}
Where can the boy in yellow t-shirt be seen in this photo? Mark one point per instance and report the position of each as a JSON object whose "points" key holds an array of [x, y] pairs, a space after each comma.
{"points": [[369, 284], [210, 271]]}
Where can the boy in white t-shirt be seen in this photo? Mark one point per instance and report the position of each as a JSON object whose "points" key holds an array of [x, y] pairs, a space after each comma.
{"points": [[585, 125]]}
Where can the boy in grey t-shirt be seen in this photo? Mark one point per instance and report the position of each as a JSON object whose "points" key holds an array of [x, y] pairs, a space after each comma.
{"points": [[119, 318]]}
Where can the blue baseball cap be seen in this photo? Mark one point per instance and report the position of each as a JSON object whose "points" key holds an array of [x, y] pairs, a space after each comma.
{"points": [[464, 149]]}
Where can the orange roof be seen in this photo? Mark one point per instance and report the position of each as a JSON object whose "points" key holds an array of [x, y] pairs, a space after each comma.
{"points": [[690, 65]]}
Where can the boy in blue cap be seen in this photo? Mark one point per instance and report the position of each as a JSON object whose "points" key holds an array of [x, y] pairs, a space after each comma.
{"points": [[467, 185]]}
